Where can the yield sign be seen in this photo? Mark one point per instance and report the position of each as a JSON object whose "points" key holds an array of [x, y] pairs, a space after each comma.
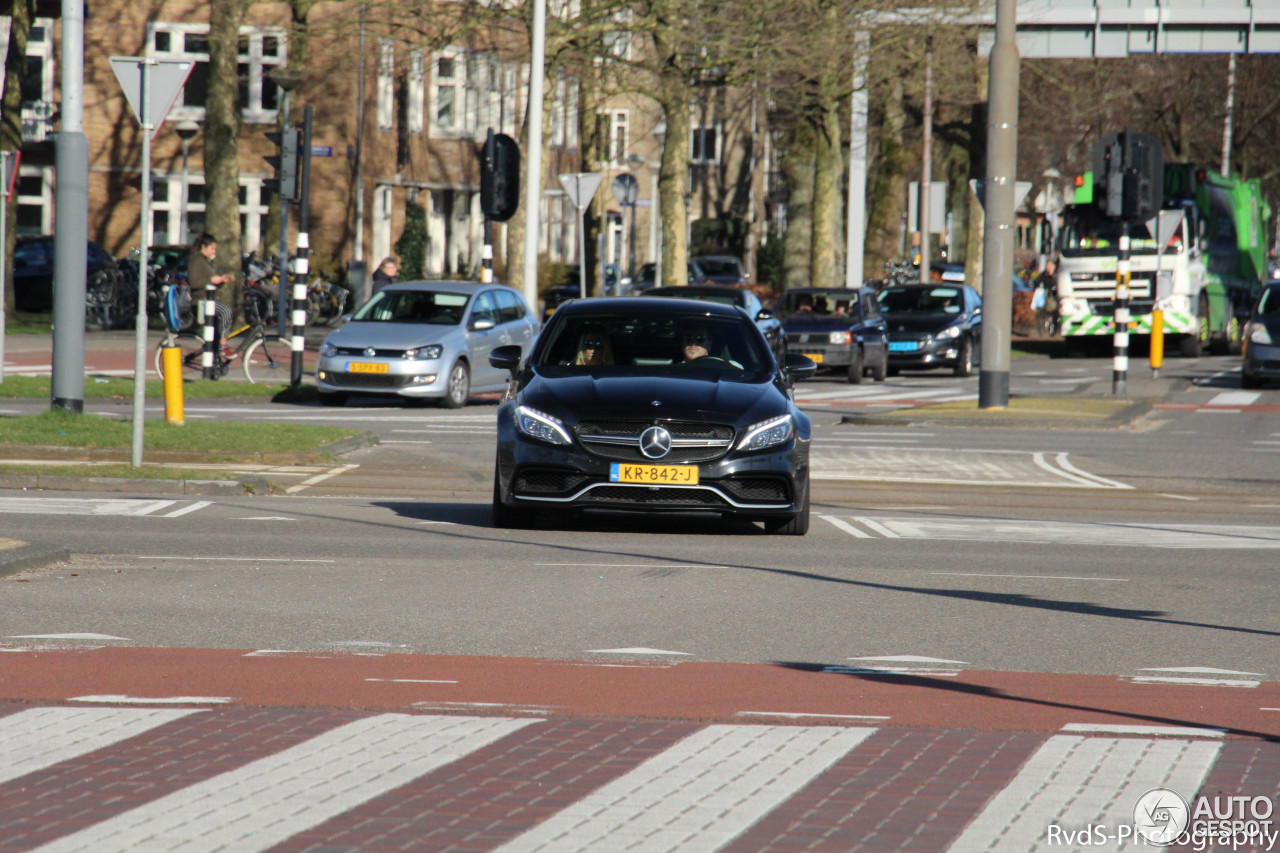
{"points": [[165, 79], [581, 187]]}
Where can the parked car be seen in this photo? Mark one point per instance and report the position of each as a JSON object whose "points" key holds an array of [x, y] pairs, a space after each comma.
{"points": [[770, 325], [557, 296], [1262, 339], [33, 271], [718, 269], [645, 429], [424, 340], [932, 325], [647, 274], [839, 328]]}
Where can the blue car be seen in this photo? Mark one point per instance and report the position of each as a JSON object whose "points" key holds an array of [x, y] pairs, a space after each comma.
{"points": [[841, 329]]}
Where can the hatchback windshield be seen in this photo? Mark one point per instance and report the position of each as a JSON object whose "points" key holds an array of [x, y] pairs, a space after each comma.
{"points": [[921, 300], [718, 266], [1269, 304], [436, 308], [808, 303], [658, 342]]}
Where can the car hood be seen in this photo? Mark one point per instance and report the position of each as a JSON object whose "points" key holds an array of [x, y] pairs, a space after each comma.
{"points": [[387, 335], [704, 396], [817, 324], [920, 322]]}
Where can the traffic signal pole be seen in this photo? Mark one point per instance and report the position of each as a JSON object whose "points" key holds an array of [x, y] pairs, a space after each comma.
{"points": [[302, 272], [1120, 358]]}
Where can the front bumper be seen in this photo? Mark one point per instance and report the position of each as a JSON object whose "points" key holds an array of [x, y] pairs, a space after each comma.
{"points": [[541, 477], [928, 353], [824, 354], [404, 378], [1261, 359]]}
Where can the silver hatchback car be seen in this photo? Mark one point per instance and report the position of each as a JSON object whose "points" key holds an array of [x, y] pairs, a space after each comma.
{"points": [[424, 340]]}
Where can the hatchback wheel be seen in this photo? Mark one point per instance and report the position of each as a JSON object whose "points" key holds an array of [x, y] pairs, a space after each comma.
{"points": [[964, 359], [459, 389], [855, 367]]}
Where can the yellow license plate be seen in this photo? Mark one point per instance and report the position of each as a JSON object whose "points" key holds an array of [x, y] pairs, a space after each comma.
{"points": [[366, 367], [656, 475], [815, 357]]}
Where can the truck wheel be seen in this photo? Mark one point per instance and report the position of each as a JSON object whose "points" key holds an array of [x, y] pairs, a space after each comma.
{"points": [[1189, 346]]}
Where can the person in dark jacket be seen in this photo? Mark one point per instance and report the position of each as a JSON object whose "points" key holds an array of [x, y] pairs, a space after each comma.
{"points": [[385, 274], [201, 275]]}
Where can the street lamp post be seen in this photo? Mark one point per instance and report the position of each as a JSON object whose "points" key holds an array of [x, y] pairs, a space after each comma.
{"points": [[187, 131], [635, 161]]}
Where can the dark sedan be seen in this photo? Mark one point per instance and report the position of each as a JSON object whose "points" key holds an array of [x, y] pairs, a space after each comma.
{"points": [[718, 269], [33, 271], [1262, 339], [768, 322], [653, 406], [839, 328], [933, 325]]}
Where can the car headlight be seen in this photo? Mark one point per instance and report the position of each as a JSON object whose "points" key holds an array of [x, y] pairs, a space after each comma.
{"points": [[768, 433], [541, 426], [423, 353], [840, 337], [1258, 334], [1070, 306], [328, 350], [949, 333]]}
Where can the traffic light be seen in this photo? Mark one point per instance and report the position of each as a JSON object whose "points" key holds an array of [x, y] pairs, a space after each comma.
{"points": [[1128, 170], [285, 183], [499, 177]]}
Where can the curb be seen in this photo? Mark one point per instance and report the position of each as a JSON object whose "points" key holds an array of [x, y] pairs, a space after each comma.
{"points": [[25, 557], [921, 417], [252, 485]]}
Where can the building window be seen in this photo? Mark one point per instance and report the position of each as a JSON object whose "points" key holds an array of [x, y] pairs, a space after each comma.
{"points": [[417, 90], [448, 82], [704, 144], [261, 50], [471, 92], [613, 131], [33, 191], [564, 115], [166, 210], [386, 83]]}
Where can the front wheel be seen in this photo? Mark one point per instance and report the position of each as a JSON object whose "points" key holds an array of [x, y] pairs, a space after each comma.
{"points": [[796, 525], [507, 517], [191, 346], [855, 367], [964, 360], [268, 361], [459, 387]]}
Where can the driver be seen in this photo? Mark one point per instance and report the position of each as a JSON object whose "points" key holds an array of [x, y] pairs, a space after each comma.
{"points": [[695, 342]]}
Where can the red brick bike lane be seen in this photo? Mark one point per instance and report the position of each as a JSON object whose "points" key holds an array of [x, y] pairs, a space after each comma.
{"points": [[807, 693]]}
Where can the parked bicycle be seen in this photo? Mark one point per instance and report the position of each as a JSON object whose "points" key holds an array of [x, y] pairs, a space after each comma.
{"points": [[265, 357]]}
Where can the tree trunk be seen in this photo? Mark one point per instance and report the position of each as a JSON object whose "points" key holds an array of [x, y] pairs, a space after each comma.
{"points": [[824, 267], [221, 131], [673, 180], [888, 186], [15, 64], [798, 170], [977, 171]]}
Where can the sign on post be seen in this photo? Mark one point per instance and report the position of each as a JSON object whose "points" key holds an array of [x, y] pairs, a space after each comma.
{"points": [[165, 79], [580, 188]]}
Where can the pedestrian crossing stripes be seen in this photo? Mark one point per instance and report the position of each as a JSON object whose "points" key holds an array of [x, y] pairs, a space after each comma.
{"points": [[253, 779]]}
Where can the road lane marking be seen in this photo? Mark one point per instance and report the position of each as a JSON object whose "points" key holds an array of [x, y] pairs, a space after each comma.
{"points": [[1153, 731], [294, 789], [801, 715], [1061, 459], [77, 636], [847, 528], [1075, 781], [876, 527], [42, 737], [1076, 533], [186, 509], [293, 490], [1235, 398], [635, 650], [235, 559], [1029, 577], [413, 680], [697, 795], [83, 506], [892, 463], [119, 699]]}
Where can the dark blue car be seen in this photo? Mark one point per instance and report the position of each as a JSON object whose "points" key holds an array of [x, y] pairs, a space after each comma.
{"points": [[839, 328]]}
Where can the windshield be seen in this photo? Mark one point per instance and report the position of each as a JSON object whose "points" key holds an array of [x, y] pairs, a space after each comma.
{"points": [[655, 342], [719, 266], [817, 303], [921, 300], [1085, 233], [1269, 304], [435, 308]]}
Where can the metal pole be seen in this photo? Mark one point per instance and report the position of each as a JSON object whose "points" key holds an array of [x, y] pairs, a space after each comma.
{"points": [[926, 164], [998, 233], [71, 219], [1120, 343], [631, 247], [855, 228], [533, 176], [282, 268], [358, 254], [582, 252], [140, 322], [1226, 122], [186, 183], [4, 214]]}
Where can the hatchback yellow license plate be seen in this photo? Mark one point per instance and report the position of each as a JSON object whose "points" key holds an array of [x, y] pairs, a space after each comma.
{"points": [[366, 367], [654, 475], [815, 357]]}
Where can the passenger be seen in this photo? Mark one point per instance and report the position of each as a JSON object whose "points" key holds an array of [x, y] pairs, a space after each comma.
{"points": [[594, 347], [804, 302]]}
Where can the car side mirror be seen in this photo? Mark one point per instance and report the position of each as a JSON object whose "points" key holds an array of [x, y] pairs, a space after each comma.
{"points": [[482, 325], [798, 367], [506, 357], [765, 314]]}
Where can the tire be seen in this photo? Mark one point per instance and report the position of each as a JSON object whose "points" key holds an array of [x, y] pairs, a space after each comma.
{"points": [[855, 367], [1189, 346], [332, 399], [796, 525], [268, 361], [964, 360], [506, 517], [257, 307], [880, 370], [192, 345], [1235, 335], [1248, 380], [459, 388]]}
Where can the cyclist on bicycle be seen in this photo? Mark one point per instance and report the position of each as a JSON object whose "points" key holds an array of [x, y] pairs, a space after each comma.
{"points": [[200, 275]]}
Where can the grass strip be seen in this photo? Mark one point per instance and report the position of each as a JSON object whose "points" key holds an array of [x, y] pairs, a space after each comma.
{"points": [[106, 387], [118, 470]]}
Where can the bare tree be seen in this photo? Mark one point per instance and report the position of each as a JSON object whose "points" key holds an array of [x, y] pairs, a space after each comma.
{"points": [[15, 65], [221, 132]]}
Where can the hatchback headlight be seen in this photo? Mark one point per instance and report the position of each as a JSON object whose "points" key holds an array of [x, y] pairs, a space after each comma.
{"points": [[839, 338], [1258, 334], [328, 350], [541, 426], [949, 333], [768, 433], [423, 353]]}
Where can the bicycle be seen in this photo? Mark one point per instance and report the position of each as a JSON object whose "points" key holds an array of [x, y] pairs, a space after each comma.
{"points": [[265, 358]]}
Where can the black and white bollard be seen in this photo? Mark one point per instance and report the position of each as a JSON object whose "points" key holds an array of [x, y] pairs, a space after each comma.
{"points": [[1120, 358], [301, 273], [207, 314], [486, 253]]}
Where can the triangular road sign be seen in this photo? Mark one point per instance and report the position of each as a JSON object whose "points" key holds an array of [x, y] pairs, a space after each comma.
{"points": [[165, 80], [581, 187]]}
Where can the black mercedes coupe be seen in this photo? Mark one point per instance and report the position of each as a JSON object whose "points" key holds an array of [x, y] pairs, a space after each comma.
{"points": [[652, 405]]}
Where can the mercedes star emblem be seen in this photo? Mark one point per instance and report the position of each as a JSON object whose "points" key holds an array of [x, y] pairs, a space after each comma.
{"points": [[370, 352], [655, 442]]}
